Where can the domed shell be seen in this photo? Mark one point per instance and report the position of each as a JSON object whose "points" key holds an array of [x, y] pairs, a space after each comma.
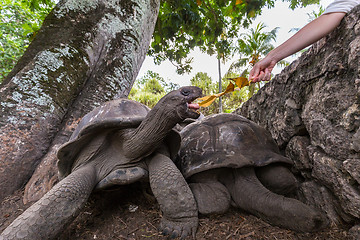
{"points": [[115, 114], [225, 140]]}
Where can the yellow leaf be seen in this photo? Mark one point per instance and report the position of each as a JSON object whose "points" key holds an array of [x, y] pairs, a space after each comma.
{"points": [[229, 88], [241, 81], [198, 2], [207, 100], [238, 2]]}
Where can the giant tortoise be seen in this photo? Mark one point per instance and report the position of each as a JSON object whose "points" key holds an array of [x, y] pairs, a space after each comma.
{"points": [[119, 142], [228, 159]]}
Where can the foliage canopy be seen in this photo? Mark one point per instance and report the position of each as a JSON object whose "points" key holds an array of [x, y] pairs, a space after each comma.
{"points": [[211, 25], [20, 20], [182, 25]]}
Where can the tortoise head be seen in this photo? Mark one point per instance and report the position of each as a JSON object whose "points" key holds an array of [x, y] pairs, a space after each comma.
{"points": [[180, 101]]}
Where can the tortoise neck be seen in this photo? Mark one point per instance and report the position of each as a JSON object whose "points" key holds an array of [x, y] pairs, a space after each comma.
{"points": [[151, 132]]}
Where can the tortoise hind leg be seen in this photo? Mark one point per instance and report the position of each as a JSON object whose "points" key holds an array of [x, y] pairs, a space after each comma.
{"points": [[278, 179], [46, 218], [211, 196], [249, 194]]}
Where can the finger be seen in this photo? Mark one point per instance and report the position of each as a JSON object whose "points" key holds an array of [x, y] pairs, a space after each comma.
{"points": [[254, 73], [251, 77], [267, 75], [261, 76], [254, 80]]}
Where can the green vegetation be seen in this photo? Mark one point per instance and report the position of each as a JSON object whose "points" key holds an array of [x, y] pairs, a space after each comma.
{"points": [[150, 88], [19, 22], [211, 25], [231, 101], [203, 81], [253, 46], [182, 25]]}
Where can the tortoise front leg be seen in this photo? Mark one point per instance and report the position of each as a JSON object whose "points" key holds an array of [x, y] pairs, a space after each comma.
{"points": [[180, 215], [55, 210]]}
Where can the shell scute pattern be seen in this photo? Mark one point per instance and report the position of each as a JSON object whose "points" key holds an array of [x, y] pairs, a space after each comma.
{"points": [[225, 140]]}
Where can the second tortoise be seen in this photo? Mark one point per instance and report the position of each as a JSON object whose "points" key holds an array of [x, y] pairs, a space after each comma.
{"points": [[228, 159]]}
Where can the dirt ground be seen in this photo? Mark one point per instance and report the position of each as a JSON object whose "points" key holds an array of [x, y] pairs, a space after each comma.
{"points": [[131, 213]]}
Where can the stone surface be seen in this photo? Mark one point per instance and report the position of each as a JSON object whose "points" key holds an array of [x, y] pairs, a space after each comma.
{"points": [[354, 232], [296, 150], [312, 111], [319, 196], [352, 166], [328, 171]]}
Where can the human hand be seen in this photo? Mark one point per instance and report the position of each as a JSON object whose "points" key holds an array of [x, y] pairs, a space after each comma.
{"points": [[262, 70]]}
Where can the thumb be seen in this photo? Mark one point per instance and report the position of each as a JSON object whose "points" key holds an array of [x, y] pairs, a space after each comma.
{"points": [[254, 73]]}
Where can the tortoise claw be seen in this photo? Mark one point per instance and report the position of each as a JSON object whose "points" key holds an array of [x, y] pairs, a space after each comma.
{"points": [[182, 229]]}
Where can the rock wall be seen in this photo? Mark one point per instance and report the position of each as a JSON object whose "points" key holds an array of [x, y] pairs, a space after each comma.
{"points": [[312, 111]]}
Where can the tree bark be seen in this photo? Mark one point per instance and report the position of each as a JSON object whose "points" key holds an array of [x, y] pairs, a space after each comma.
{"points": [[220, 87], [86, 52]]}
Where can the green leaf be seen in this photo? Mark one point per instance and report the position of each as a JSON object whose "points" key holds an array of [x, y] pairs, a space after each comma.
{"points": [[19, 22]]}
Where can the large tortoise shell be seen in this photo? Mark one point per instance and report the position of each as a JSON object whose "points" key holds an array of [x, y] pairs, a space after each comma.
{"points": [[116, 114], [225, 140]]}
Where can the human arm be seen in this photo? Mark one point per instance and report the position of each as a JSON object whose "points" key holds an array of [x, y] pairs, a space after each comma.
{"points": [[309, 34]]}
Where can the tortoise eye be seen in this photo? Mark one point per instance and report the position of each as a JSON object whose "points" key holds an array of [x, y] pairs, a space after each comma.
{"points": [[185, 92]]}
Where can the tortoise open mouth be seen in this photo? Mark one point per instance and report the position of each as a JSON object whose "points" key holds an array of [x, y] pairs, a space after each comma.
{"points": [[192, 94], [193, 106]]}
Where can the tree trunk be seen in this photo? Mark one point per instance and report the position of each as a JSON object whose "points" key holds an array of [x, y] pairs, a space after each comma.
{"points": [[220, 87], [86, 52]]}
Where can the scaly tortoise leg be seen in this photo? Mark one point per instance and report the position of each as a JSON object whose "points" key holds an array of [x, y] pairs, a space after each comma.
{"points": [[250, 195], [180, 214], [47, 217], [211, 196], [278, 179]]}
